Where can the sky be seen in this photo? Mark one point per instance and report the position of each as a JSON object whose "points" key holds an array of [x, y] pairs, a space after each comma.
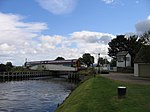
{"points": [[45, 29]]}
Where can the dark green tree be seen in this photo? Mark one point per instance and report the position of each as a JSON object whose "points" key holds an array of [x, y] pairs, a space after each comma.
{"points": [[120, 43], [9, 66], [131, 44], [113, 63], [59, 58], [145, 38], [87, 59], [2, 68], [102, 61]]}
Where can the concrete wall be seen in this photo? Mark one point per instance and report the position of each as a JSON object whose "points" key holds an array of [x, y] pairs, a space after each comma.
{"points": [[144, 70]]}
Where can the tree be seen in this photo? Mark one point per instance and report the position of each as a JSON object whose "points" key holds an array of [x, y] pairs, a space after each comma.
{"points": [[145, 38], [116, 45], [113, 63], [131, 44], [59, 58], [87, 59], [2, 68], [9, 66], [102, 61]]}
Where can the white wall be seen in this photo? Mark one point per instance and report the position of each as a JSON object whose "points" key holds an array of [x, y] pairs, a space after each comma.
{"points": [[136, 70], [121, 64], [128, 62]]}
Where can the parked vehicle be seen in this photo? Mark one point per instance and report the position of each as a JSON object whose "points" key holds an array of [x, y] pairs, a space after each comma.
{"points": [[104, 70]]}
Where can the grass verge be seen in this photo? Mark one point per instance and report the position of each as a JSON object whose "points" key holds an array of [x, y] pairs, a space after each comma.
{"points": [[99, 94]]}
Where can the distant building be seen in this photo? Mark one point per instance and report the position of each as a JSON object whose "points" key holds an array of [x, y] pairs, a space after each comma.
{"points": [[123, 59], [142, 62]]}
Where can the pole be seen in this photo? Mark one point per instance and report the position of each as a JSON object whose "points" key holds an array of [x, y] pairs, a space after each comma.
{"points": [[98, 62]]}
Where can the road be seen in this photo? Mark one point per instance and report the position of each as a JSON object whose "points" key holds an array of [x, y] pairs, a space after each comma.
{"points": [[127, 77]]}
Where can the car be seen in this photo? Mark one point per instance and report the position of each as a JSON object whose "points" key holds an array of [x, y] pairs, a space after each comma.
{"points": [[104, 70]]}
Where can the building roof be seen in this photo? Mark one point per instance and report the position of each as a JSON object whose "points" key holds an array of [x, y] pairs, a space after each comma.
{"points": [[143, 55], [122, 53]]}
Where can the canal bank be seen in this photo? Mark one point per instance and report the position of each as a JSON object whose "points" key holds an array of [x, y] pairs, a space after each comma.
{"points": [[99, 94]]}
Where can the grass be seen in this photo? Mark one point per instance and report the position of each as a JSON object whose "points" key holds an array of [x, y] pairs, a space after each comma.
{"points": [[99, 94]]}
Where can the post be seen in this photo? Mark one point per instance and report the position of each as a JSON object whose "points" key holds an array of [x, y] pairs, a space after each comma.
{"points": [[121, 92], [98, 62]]}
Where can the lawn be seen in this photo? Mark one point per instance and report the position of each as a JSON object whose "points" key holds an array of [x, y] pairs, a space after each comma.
{"points": [[99, 94]]}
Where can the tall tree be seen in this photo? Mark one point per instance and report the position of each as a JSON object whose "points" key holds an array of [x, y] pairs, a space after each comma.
{"points": [[131, 44], [120, 43], [87, 59]]}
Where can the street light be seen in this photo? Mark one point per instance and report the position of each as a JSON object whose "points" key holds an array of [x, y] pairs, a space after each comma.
{"points": [[98, 62]]}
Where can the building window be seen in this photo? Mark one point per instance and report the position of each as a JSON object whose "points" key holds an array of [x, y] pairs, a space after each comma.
{"points": [[120, 59]]}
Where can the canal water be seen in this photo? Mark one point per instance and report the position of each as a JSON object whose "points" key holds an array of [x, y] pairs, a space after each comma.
{"points": [[36, 95]]}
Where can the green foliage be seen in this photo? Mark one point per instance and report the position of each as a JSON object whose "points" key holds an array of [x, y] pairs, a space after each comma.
{"points": [[113, 63], [86, 72], [143, 55], [6, 68], [87, 59], [99, 94], [2, 68], [145, 38], [19, 68], [131, 44], [116, 45], [59, 58], [102, 61]]}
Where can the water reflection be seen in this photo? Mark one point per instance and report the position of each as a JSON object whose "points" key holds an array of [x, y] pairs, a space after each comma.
{"points": [[33, 95]]}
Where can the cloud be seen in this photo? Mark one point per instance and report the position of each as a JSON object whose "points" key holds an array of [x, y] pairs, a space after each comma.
{"points": [[16, 36], [92, 37], [143, 26], [148, 17], [108, 1], [58, 6], [48, 41], [20, 40]]}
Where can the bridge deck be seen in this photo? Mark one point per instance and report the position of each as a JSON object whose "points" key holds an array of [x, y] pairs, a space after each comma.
{"points": [[52, 67]]}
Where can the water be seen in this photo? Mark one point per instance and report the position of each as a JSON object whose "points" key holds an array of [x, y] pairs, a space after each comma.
{"points": [[41, 95]]}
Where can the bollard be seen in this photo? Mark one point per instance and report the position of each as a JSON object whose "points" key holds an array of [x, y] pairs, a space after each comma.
{"points": [[121, 92]]}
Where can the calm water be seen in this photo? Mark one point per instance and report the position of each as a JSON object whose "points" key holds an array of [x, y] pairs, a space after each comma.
{"points": [[41, 95]]}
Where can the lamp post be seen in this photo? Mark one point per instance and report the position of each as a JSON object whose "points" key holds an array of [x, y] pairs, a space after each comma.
{"points": [[98, 62]]}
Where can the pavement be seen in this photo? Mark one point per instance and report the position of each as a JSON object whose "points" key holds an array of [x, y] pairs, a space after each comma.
{"points": [[126, 77]]}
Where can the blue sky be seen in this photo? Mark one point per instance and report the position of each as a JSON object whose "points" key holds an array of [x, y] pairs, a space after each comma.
{"points": [[45, 29]]}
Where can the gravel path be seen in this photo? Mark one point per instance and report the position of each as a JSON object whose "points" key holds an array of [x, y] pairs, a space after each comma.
{"points": [[127, 78]]}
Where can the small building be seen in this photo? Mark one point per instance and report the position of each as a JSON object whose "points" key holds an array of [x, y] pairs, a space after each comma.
{"points": [[123, 59], [142, 62]]}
